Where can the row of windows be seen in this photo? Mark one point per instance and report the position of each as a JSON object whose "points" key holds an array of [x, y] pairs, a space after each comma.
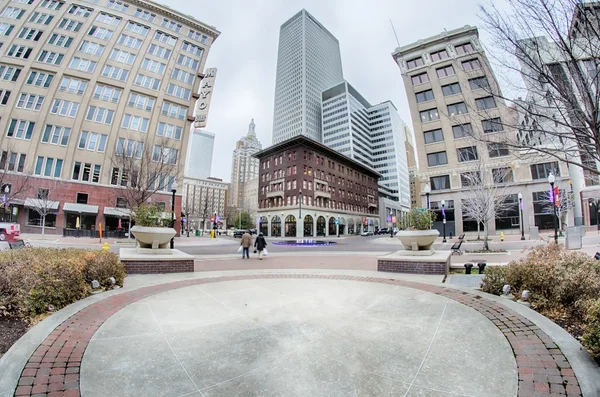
{"points": [[467, 154], [441, 55], [476, 83]]}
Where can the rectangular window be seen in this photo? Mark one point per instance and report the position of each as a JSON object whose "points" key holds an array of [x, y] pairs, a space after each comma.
{"points": [[434, 136], [438, 158], [56, 135], [64, 108], [159, 51], [70, 24], [30, 102], [429, 115], [9, 73], [50, 57], [135, 123], [99, 115], [4, 96], [115, 73], [145, 15], [170, 25], [129, 148], [91, 48], [497, 150], [440, 182], [40, 18], [420, 79], [466, 154], [439, 56], [122, 56], [192, 49], [542, 170], [137, 28], [462, 49], [20, 129], [462, 130], [188, 62], [492, 125], [182, 75], [39, 79], [47, 166], [141, 101], [19, 51], [107, 93], [178, 91], [164, 38], [52, 4], [472, 64], [108, 19], [451, 89], [30, 34], [79, 11], [479, 83], [100, 33], [502, 175], [73, 85], [445, 71], [85, 65], [414, 63], [117, 5], [165, 155], [485, 103], [12, 13], [6, 29], [174, 110], [130, 41], [169, 131], [154, 66], [424, 96], [147, 82], [472, 178], [457, 108], [92, 141], [60, 40], [194, 35]]}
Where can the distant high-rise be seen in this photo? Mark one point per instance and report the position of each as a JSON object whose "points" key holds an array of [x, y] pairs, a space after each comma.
{"points": [[244, 167], [308, 62], [200, 153]]}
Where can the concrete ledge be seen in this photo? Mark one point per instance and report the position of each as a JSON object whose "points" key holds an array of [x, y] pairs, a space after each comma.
{"points": [[173, 261], [401, 262]]}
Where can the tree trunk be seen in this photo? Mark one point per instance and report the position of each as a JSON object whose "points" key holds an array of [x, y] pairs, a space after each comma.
{"points": [[486, 246], [478, 230], [43, 224]]}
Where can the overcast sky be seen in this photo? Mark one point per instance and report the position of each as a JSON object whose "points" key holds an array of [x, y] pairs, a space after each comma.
{"points": [[246, 54]]}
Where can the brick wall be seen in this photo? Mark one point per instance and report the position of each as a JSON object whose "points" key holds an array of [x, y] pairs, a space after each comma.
{"points": [[384, 265], [158, 267]]}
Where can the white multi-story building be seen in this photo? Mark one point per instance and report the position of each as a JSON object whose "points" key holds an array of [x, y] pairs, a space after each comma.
{"points": [[200, 152], [374, 135], [308, 62], [244, 167], [203, 198]]}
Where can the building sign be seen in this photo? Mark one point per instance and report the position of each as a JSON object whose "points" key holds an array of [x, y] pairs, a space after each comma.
{"points": [[203, 103]]}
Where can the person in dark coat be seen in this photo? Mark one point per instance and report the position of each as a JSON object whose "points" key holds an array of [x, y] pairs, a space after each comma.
{"points": [[260, 245]]}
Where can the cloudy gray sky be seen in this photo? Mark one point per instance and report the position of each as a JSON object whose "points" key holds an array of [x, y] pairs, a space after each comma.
{"points": [[246, 53]]}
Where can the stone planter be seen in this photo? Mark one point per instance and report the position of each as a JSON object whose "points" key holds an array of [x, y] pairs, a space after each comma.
{"points": [[416, 240], [153, 237]]}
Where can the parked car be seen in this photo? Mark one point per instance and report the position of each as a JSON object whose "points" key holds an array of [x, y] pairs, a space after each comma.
{"points": [[367, 233], [252, 231], [9, 231], [238, 233], [383, 230]]}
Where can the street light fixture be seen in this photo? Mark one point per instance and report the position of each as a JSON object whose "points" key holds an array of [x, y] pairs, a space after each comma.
{"points": [[173, 190], [521, 212], [551, 180], [444, 220], [427, 190]]}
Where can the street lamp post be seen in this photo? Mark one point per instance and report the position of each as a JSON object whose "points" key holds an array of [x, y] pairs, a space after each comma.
{"points": [[444, 220], [239, 218], [551, 180], [521, 212], [427, 190], [300, 213], [173, 190]]}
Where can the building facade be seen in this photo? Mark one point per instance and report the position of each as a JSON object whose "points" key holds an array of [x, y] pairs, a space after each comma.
{"points": [[250, 200], [85, 83], [204, 198], [448, 80], [373, 135], [307, 189], [308, 61], [244, 167], [198, 162]]}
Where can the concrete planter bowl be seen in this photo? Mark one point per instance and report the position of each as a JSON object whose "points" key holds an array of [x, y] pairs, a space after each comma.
{"points": [[422, 239], [153, 237]]}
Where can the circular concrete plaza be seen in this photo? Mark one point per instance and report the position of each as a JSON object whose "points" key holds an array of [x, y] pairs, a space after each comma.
{"points": [[298, 337]]}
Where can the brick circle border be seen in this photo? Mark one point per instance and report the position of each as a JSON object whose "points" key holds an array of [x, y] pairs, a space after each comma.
{"points": [[53, 369]]}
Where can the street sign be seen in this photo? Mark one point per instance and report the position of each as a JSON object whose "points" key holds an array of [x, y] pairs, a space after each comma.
{"points": [[389, 218], [212, 218], [218, 219]]}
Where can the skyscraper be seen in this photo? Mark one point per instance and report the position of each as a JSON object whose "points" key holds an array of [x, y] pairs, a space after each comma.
{"points": [[200, 152], [308, 61], [244, 167]]}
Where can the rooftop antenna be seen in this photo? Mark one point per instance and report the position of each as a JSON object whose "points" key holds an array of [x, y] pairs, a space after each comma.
{"points": [[394, 30]]}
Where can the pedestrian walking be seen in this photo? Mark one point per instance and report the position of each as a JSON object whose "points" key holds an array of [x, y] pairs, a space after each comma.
{"points": [[246, 243], [260, 245]]}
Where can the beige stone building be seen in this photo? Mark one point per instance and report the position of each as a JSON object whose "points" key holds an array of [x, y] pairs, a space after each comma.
{"points": [[84, 82], [204, 198], [250, 199], [244, 168], [449, 81]]}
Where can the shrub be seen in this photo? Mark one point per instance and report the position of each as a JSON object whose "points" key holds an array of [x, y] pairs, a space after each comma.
{"points": [[150, 215], [32, 279], [591, 335], [420, 219], [494, 279]]}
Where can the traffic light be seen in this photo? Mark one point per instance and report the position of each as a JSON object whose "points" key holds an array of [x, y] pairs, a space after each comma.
{"points": [[6, 188]]}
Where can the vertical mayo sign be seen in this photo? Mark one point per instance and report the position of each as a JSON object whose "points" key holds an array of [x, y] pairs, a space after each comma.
{"points": [[203, 103]]}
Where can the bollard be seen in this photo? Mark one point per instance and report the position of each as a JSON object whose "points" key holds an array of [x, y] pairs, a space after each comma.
{"points": [[105, 247], [450, 235], [468, 267], [481, 267], [501, 236]]}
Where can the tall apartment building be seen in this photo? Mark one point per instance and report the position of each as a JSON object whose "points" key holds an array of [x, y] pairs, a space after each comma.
{"points": [[203, 198], [244, 167], [199, 157], [83, 83], [308, 61], [448, 81], [373, 135]]}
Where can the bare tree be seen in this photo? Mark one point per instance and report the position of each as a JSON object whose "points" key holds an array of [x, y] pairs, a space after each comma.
{"points": [[15, 180], [564, 203], [43, 204], [485, 195], [554, 46]]}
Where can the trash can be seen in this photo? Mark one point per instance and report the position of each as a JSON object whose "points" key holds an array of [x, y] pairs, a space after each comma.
{"points": [[468, 268], [198, 232]]}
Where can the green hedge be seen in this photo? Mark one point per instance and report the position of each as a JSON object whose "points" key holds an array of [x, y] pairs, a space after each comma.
{"points": [[32, 279]]}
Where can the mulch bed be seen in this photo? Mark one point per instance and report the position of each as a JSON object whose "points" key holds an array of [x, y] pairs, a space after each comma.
{"points": [[10, 331]]}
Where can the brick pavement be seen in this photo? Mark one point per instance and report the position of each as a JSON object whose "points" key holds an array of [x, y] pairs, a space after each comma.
{"points": [[53, 369]]}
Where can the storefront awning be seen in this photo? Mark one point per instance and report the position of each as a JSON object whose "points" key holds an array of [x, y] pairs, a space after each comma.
{"points": [[38, 203], [80, 208], [16, 202], [118, 212]]}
